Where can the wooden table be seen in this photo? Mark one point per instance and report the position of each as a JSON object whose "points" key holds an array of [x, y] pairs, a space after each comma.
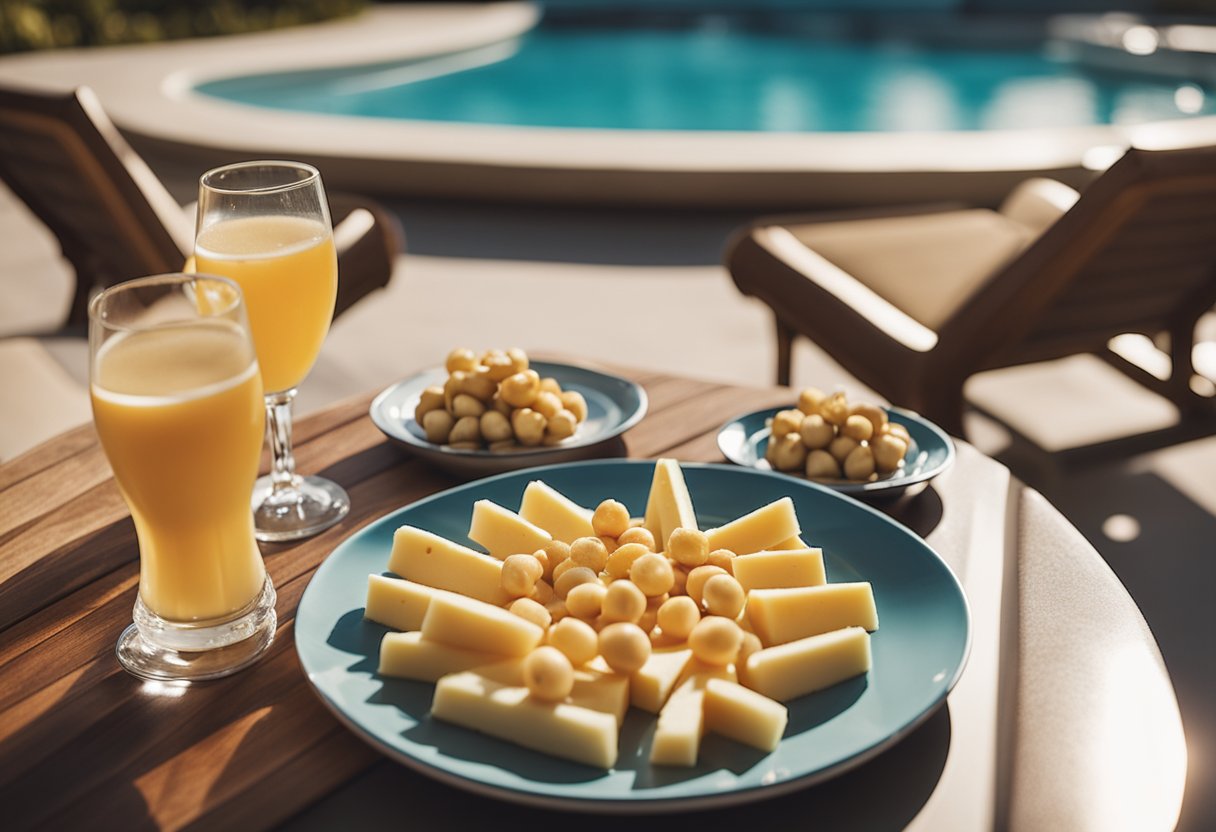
{"points": [[1064, 718]]}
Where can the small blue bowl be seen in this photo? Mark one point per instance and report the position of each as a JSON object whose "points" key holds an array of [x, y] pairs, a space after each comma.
{"points": [[744, 440], [614, 405]]}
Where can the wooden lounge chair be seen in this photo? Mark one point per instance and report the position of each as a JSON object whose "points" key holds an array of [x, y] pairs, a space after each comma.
{"points": [[914, 303], [114, 220]]}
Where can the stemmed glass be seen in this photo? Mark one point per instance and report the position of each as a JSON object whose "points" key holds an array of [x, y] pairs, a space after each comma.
{"points": [[266, 226]]}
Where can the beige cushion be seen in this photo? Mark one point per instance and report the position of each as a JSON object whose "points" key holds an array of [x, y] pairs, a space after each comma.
{"points": [[40, 398], [1037, 203], [927, 265]]}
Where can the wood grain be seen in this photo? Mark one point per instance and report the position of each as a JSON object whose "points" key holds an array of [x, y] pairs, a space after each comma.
{"points": [[80, 739]]}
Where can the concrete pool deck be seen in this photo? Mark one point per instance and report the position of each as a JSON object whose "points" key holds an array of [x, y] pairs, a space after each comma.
{"points": [[148, 91]]}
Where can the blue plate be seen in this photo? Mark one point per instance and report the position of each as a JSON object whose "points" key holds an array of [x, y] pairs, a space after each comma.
{"points": [[744, 440], [918, 652], [614, 405]]}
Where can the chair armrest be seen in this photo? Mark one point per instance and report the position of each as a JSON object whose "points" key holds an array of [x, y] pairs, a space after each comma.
{"points": [[1037, 203], [368, 239]]}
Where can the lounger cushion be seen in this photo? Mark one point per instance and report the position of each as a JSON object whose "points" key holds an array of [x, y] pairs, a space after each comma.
{"points": [[41, 398], [927, 265]]}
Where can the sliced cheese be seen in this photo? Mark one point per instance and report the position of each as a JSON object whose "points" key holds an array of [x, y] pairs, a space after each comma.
{"points": [[474, 625], [744, 715], [778, 569], [669, 505], [427, 558], [604, 692], [556, 513], [410, 656], [652, 684], [503, 532], [800, 667], [781, 615], [397, 603], [794, 542], [681, 723], [696, 667], [509, 712], [761, 529], [596, 686]]}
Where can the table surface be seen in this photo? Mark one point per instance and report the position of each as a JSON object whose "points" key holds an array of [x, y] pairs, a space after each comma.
{"points": [[1064, 718]]}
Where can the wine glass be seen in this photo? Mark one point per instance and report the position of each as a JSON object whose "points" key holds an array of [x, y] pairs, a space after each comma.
{"points": [[266, 225], [177, 401]]}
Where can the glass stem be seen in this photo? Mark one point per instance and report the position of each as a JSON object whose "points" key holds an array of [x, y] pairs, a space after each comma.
{"points": [[278, 420]]}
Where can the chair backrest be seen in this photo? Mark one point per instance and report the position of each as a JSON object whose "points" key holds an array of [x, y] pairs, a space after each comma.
{"points": [[1136, 253], [62, 156]]}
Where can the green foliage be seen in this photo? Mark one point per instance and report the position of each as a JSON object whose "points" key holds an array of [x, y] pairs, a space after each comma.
{"points": [[46, 24]]}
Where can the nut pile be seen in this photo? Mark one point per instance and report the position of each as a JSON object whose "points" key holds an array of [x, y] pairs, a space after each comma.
{"points": [[827, 438], [497, 402], [614, 596]]}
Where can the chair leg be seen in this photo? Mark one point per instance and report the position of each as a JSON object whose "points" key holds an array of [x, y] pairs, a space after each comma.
{"points": [[942, 404], [368, 238], [78, 313], [1182, 368], [785, 350], [1177, 387]]}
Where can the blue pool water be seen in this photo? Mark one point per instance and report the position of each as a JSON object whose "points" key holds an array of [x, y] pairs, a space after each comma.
{"points": [[722, 77]]}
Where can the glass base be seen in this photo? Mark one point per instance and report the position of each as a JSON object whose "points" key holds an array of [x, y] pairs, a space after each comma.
{"points": [[311, 506], [153, 648]]}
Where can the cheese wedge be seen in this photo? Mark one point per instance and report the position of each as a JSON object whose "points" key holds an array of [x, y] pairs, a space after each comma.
{"points": [[781, 615], [696, 667], [652, 684], [800, 667], [681, 723], [761, 529], [669, 505], [396, 603], [504, 533], [510, 713], [427, 558], [604, 692], [410, 656], [556, 513], [744, 715], [474, 625], [778, 569], [596, 686]]}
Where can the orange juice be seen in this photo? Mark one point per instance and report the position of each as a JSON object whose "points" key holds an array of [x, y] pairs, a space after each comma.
{"points": [[288, 270], [184, 436]]}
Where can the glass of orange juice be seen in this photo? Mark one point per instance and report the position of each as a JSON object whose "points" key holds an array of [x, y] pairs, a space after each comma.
{"points": [[266, 225], [177, 401]]}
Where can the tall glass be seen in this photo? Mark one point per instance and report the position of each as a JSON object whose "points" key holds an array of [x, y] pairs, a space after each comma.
{"points": [[177, 400], [266, 225]]}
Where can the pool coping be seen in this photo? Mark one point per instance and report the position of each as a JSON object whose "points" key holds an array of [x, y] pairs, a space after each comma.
{"points": [[148, 91]]}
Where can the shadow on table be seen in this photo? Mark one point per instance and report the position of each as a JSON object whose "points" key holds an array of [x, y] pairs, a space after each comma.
{"points": [[1165, 561], [60, 785], [921, 511]]}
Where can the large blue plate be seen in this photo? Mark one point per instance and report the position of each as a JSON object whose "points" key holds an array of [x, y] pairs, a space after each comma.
{"points": [[744, 440], [614, 405], [918, 652]]}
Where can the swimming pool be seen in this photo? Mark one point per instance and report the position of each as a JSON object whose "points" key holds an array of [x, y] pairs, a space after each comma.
{"points": [[723, 73]]}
